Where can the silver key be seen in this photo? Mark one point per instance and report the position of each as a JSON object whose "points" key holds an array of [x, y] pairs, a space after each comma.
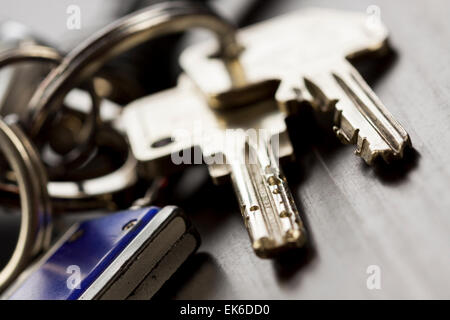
{"points": [[304, 56], [179, 119]]}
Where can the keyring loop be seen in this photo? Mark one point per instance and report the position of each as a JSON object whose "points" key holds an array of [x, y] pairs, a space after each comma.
{"points": [[29, 53], [38, 53], [85, 60], [76, 195], [123, 177], [35, 229]]}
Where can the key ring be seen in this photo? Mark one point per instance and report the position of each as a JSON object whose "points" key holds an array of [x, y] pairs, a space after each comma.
{"points": [[71, 193], [85, 60], [38, 53], [28, 53], [36, 227], [93, 192]]}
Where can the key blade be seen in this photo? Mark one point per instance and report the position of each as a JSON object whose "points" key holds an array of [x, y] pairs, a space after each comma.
{"points": [[266, 203], [359, 116]]}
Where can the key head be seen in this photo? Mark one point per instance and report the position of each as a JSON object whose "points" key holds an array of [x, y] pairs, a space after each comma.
{"points": [[178, 122]]}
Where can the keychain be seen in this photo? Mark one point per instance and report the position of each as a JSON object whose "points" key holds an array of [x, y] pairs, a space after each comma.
{"points": [[128, 254]]}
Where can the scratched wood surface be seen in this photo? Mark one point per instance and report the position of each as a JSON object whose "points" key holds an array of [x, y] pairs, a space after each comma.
{"points": [[397, 218]]}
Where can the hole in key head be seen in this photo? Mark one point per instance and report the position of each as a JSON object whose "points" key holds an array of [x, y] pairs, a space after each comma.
{"points": [[254, 208], [162, 142]]}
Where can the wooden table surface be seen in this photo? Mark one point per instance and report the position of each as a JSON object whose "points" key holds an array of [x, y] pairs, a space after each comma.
{"points": [[397, 217]]}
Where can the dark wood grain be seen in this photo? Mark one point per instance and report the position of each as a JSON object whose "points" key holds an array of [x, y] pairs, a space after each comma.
{"points": [[395, 217]]}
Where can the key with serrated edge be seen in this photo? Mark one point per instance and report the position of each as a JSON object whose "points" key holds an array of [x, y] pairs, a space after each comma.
{"points": [[305, 56], [177, 122]]}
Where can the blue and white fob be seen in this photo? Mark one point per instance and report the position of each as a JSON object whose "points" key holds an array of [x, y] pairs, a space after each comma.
{"points": [[125, 255]]}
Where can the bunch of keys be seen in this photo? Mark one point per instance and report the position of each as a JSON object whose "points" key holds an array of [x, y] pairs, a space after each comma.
{"points": [[283, 64], [152, 238], [228, 110]]}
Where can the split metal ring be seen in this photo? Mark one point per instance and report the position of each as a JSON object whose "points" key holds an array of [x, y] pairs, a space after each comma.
{"points": [[36, 227], [93, 192], [38, 53], [73, 195], [85, 60]]}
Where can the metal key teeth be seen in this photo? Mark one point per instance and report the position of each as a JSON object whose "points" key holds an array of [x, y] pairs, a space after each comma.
{"points": [[359, 116], [386, 129], [290, 232], [262, 246], [347, 134], [267, 247]]}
